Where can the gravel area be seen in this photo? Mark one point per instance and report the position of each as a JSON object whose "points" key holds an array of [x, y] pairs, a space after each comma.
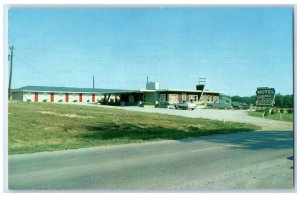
{"points": [[216, 114]]}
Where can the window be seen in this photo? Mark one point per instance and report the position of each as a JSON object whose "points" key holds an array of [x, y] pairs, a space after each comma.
{"points": [[173, 98], [195, 98], [162, 98]]}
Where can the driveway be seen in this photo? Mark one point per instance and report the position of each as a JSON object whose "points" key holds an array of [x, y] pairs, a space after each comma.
{"points": [[239, 161], [215, 114]]}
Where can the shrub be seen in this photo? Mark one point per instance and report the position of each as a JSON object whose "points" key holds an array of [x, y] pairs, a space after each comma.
{"points": [[163, 104], [290, 111], [60, 100], [112, 103], [267, 112], [75, 101], [45, 100], [88, 101], [273, 111], [281, 111], [28, 100], [148, 103]]}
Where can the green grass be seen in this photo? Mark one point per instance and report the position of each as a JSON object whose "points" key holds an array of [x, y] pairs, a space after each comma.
{"points": [[285, 117], [36, 127]]}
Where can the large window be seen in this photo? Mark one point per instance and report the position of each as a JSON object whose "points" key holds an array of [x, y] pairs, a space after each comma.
{"points": [[173, 98], [162, 98]]}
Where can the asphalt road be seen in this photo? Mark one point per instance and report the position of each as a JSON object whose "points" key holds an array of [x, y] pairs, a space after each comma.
{"points": [[252, 160]]}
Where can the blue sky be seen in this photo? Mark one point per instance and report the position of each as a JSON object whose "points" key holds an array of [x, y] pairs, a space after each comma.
{"points": [[236, 49]]}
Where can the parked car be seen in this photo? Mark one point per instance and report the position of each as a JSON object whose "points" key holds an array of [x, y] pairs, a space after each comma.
{"points": [[185, 105], [238, 105], [219, 105]]}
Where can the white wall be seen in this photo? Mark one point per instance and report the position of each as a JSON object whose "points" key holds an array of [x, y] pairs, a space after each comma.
{"points": [[28, 96], [59, 96], [99, 97], [86, 96], [73, 96], [43, 96], [112, 98]]}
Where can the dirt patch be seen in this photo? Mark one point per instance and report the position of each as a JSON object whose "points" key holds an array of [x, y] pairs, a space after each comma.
{"points": [[66, 115]]}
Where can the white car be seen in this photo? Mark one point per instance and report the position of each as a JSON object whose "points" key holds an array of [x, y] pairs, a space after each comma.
{"points": [[185, 105]]}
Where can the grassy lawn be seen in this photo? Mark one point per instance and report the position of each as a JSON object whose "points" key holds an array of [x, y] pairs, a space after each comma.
{"points": [[36, 127], [285, 117]]}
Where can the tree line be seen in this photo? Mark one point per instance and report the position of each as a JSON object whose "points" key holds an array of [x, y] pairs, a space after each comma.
{"points": [[282, 101]]}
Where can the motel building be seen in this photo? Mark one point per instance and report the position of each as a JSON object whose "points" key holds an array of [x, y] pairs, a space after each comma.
{"points": [[65, 94], [152, 95]]}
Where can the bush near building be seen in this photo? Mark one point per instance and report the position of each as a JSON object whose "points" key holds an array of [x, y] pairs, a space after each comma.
{"points": [[290, 111], [289, 117]]}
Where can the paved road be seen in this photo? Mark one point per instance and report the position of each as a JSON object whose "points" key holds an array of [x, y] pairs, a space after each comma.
{"points": [[253, 160], [215, 114]]}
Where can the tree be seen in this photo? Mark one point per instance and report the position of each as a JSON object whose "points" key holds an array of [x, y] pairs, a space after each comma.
{"points": [[284, 101], [288, 101], [279, 100], [244, 99]]}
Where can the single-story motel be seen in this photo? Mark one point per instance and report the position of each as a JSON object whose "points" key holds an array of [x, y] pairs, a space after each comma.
{"points": [[151, 95]]}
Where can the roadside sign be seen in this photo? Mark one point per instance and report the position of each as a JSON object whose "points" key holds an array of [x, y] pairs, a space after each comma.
{"points": [[265, 97]]}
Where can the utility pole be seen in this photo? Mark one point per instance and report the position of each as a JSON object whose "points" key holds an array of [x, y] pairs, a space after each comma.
{"points": [[93, 82], [10, 74]]}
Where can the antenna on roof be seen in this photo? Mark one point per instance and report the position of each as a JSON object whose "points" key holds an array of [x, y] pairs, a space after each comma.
{"points": [[202, 80], [147, 79]]}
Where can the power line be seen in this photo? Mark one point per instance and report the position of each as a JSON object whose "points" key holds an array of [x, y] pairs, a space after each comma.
{"points": [[10, 74]]}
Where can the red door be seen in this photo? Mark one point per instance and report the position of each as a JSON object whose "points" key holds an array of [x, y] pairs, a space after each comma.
{"points": [[80, 97], [187, 97], [36, 97], [52, 97], [93, 97], [67, 97]]}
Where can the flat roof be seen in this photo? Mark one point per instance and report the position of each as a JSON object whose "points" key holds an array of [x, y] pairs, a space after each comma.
{"points": [[180, 90], [66, 89], [97, 90]]}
